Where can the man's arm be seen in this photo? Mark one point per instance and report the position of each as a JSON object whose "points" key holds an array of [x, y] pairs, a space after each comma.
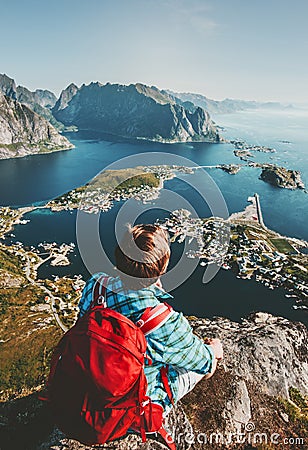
{"points": [[177, 345]]}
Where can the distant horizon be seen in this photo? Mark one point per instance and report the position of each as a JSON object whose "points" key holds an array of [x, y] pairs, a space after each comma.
{"points": [[58, 93]]}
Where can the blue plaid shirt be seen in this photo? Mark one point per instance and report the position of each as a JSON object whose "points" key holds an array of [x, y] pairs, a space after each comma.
{"points": [[173, 343]]}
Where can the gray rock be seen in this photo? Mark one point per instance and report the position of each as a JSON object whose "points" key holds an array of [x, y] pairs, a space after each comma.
{"points": [[8, 86], [177, 424], [134, 111], [237, 412], [23, 132], [39, 101], [285, 417], [269, 350], [65, 97], [43, 98]]}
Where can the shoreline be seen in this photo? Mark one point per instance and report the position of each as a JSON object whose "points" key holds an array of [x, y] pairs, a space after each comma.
{"points": [[247, 247], [110, 186], [249, 217], [37, 153], [165, 173]]}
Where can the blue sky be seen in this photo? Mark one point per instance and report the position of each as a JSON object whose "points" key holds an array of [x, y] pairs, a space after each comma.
{"points": [[249, 49]]}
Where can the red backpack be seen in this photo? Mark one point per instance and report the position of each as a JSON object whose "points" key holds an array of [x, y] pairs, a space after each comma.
{"points": [[97, 385]]}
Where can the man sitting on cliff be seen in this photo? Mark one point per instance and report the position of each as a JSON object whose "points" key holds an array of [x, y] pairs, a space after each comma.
{"points": [[141, 259]]}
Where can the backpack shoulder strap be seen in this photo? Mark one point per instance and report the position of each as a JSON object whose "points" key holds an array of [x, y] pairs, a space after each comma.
{"points": [[99, 292], [154, 318], [151, 320]]}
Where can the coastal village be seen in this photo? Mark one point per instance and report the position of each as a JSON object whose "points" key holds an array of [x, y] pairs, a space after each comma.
{"points": [[99, 196], [242, 243], [144, 183], [61, 295]]}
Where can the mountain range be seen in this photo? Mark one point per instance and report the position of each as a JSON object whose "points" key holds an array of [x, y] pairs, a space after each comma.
{"points": [[134, 111], [225, 106]]}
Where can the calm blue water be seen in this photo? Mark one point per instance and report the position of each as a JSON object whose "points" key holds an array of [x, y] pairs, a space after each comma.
{"points": [[40, 178], [286, 131]]}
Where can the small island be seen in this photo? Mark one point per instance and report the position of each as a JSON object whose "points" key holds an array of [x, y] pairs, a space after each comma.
{"points": [[282, 177], [271, 173], [231, 168]]}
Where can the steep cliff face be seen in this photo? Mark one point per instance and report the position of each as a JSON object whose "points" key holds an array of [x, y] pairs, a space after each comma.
{"points": [[135, 111], [40, 101], [257, 397], [23, 132], [65, 97], [42, 97], [45, 98], [260, 391], [8, 86], [39, 97]]}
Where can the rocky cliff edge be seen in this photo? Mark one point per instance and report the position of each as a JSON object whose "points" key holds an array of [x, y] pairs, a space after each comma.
{"points": [[256, 399]]}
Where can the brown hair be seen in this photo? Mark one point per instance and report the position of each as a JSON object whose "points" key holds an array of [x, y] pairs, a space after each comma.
{"points": [[142, 255]]}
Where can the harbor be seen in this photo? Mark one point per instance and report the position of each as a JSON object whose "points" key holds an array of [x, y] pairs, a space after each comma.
{"points": [[244, 244]]}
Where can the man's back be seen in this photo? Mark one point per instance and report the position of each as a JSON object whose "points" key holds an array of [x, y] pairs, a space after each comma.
{"points": [[173, 344]]}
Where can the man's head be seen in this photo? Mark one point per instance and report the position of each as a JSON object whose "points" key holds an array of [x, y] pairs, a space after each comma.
{"points": [[143, 255]]}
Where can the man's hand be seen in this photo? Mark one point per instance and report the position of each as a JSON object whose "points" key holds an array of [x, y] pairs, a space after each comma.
{"points": [[216, 347]]}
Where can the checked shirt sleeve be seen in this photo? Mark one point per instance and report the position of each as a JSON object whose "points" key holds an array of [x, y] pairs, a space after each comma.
{"points": [[86, 297], [184, 349]]}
